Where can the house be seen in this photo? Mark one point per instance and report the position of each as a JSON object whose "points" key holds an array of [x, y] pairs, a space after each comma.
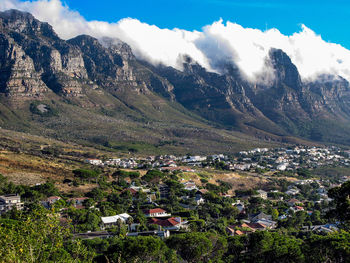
{"points": [[240, 207], [110, 221], [254, 226], [293, 191], [293, 202], [50, 201], [10, 201], [231, 231], [159, 233], [77, 202], [156, 212], [94, 161], [260, 215], [244, 228], [190, 159], [297, 208], [327, 228], [199, 199], [173, 223], [242, 167], [282, 166], [189, 186], [266, 222], [262, 194]]}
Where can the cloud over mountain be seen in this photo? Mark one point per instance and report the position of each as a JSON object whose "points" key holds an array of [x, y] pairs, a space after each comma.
{"points": [[248, 48]]}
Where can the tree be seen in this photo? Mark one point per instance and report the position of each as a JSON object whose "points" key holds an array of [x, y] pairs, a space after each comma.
{"points": [[86, 173], [274, 214], [140, 249], [192, 247], [39, 237], [152, 175], [333, 247], [341, 200], [271, 247]]}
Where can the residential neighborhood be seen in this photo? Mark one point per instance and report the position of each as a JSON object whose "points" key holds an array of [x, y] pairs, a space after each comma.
{"points": [[166, 197]]}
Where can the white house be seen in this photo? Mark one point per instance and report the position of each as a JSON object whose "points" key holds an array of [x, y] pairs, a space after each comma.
{"points": [[262, 194], [110, 221], [282, 166], [9, 201], [189, 186], [156, 212], [94, 161]]}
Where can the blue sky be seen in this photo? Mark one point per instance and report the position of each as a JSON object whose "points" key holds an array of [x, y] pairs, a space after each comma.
{"points": [[328, 18]]}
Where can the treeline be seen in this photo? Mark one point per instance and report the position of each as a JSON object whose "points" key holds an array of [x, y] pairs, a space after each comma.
{"points": [[261, 246], [39, 236]]}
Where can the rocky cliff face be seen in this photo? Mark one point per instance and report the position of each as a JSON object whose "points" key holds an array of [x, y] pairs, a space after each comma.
{"points": [[34, 62], [59, 65], [18, 76]]}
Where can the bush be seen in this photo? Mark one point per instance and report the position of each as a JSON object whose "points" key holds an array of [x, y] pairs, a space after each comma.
{"points": [[85, 173]]}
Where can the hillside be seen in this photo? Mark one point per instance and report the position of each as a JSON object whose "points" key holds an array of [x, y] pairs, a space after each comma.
{"points": [[95, 92]]}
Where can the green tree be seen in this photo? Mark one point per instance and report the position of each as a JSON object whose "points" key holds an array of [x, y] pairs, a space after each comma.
{"points": [[271, 247], [140, 249], [333, 247], [39, 237], [341, 200], [192, 247]]}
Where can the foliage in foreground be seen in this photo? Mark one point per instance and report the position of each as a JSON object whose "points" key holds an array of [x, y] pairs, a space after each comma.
{"points": [[39, 237]]}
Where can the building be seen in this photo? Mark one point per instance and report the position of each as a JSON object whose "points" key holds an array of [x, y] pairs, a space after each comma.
{"points": [[10, 201], [50, 201], [156, 212], [293, 202], [266, 222], [110, 221], [262, 194], [159, 233], [293, 191], [282, 166], [260, 215], [94, 161], [77, 202], [189, 186], [173, 223]]}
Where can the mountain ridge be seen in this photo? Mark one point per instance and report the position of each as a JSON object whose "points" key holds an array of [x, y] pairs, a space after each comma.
{"points": [[103, 78]]}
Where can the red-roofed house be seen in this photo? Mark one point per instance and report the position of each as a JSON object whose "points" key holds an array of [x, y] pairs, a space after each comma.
{"points": [[156, 212], [244, 228], [256, 226]]}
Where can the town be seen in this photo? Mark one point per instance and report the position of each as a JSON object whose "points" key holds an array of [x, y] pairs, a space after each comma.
{"points": [[167, 196], [279, 159]]}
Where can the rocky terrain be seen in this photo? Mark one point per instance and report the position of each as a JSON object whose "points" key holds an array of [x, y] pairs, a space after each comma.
{"points": [[96, 91]]}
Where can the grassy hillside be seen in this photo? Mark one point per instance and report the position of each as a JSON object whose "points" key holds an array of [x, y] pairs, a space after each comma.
{"points": [[122, 122]]}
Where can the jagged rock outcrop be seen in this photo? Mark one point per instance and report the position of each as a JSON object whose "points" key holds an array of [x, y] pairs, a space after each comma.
{"points": [[35, 62], [18, 77], [59, 65]]}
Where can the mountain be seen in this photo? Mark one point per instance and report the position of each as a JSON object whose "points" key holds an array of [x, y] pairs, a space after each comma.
{"points": [[97, 92]]}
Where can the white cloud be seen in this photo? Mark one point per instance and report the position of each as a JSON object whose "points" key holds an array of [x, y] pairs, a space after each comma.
{"points": [[246, 47]]}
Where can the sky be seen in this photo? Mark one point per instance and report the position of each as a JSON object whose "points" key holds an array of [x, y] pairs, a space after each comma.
{"points": [[314, 34], [330, 18]]}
